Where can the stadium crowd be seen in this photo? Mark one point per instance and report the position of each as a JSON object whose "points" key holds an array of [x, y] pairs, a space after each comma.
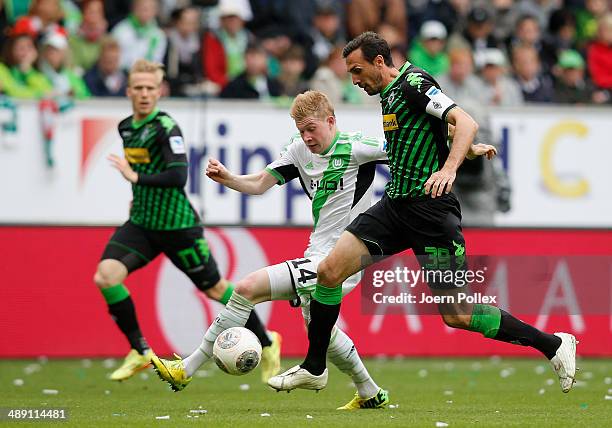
{"points": [[507, 52]]}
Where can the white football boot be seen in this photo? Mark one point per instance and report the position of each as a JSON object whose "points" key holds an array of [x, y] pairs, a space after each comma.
{"points": [[297, 377], [564, 361]]}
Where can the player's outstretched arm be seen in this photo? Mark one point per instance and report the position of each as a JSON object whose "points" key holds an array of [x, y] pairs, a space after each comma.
{"points": [[251, 184]]}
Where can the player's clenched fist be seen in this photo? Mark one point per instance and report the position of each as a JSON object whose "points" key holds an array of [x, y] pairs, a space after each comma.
{"points": [[216, 171]]}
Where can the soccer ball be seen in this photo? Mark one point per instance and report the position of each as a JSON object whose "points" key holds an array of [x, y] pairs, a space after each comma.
{"points": [[237, 351]]}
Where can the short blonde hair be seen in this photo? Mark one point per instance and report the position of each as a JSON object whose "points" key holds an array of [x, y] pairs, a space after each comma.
{"points": [[311, 104], [144, 66]]}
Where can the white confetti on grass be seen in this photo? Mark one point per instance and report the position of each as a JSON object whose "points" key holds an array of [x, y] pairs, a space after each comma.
{"points": [[203, 373], [608, 380], [448, 392], [608, 397], [423, 373], [50, 391], [265, 415], [162, 417], [18, 382], [441, 424], [539, 369], [199, 411], [32, 368], [541, 391], [449, 401], [309, 417], [587, 375], [109, 363], [86, 363], [393, 406], [550, 382], [245, 387], [107, 392]]}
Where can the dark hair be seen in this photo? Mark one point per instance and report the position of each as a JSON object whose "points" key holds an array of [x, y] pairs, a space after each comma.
{"points": [[371, 45], [526, 17]]}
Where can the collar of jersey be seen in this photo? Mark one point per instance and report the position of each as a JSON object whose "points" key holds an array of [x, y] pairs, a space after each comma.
{"points": [[401, 70], [139, 123], [333, 143]]}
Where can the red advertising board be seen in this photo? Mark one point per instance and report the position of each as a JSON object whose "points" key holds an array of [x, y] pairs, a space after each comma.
{"points": [[51, 307]]}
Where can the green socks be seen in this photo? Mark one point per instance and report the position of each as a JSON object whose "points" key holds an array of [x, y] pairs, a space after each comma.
{"points": [[486, 319], [115, 293]]}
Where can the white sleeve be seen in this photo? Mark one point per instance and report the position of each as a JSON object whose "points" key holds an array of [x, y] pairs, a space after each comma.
{"points": [[369, 149]]}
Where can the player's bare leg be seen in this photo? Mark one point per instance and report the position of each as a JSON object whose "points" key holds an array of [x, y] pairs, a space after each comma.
{"points": [[109, 278]]}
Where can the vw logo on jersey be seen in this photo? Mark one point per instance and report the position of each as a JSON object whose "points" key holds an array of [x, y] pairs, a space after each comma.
{"points": [[337, 163], [184, 313]]}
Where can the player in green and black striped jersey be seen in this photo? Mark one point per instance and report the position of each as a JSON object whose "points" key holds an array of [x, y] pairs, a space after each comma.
{"points": [[418, 211], [161, 221]]}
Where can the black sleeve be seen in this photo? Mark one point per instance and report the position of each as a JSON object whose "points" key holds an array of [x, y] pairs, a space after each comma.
{"points": [[171, 177], [174, 154]]}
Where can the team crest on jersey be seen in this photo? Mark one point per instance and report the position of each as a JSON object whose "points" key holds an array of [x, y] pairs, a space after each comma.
{"points": [[137, 155], [337, 163], [415, 80], [145, 133], [390, 122], [391, 98]]}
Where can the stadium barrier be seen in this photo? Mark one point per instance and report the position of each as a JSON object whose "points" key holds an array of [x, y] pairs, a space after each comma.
{"points": [[556, 158], [51, 306]]}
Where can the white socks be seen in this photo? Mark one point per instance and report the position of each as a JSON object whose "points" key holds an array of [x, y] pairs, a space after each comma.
{"points": [[342, 354], [235, 314]]}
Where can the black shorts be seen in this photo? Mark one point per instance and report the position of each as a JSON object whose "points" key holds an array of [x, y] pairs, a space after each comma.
{"points": [[135, 247], [431, 227]]}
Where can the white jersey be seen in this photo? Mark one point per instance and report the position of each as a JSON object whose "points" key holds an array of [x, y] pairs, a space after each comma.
{"points": [[338, 182]]}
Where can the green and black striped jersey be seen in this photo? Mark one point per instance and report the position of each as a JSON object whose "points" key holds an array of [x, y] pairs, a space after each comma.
{"points": [[151, 146], [414, 120]]}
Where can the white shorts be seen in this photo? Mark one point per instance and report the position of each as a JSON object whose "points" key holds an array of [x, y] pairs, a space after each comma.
{"points": [[298, 278]]}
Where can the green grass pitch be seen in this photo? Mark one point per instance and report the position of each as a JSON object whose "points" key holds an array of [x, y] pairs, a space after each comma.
{"points": [[459, 392]]}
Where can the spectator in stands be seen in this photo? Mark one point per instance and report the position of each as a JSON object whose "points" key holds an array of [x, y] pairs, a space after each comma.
{"points": [[139, 35], [505, 14], [586, 20], [453, 14], [527, 33], [477, 35], [43, 16], [571, 86], [325, 32], [540, 9], [53, 64], [234, 37], [85, 44], [183, 59], [561, 33], [254, 82], [275, 44], [600, 55], [368, 15], [292, 67], [499, 89], [106, 78], [479, 186], [428, 52], [332, 79], [535, 86], [17, 73]]}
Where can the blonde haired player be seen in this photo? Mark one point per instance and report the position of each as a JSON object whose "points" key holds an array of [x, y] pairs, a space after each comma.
{"points": [[161, 221], [337, 170]]}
